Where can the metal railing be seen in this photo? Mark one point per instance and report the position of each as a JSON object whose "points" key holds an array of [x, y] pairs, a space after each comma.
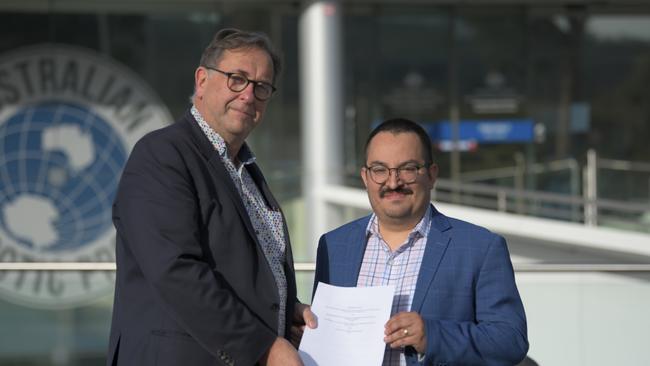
{"points": [[585, 205], [542, 204], [311, 266]]}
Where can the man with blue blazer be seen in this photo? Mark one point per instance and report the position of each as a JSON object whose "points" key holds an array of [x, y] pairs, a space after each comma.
{"points": [[456, 301], [204, 268]]}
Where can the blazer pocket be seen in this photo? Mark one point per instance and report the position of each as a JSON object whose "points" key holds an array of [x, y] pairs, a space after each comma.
{"points": [[170, 333], [179, 348]]}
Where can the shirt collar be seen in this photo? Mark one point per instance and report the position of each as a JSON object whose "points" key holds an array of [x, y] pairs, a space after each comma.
{"points": [[421, 229], [245, 154]]}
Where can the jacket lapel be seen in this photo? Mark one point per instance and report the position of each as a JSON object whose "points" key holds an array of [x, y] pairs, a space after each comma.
{"points": [[437, 243], [222, 175], [356, 247]]}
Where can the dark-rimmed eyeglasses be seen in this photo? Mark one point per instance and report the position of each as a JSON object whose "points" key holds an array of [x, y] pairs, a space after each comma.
{"points": [[238, 82], [407, 173]]}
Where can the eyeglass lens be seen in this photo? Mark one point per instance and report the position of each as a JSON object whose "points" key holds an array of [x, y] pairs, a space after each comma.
{"points": [[238, 83], [407, 174]]}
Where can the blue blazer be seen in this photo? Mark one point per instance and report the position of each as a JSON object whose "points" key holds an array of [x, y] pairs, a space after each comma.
{"points": [[465, 292], [193, 286]]}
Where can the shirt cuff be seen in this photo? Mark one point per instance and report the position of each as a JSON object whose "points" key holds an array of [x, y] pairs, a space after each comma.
{"points": [[421, 357]]}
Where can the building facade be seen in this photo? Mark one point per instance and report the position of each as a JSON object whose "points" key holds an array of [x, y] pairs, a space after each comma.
{"points": [[88, 78]]}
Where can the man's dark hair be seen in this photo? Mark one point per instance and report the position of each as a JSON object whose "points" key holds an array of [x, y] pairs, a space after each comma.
{"points": [[232, 39], [402, 125]]}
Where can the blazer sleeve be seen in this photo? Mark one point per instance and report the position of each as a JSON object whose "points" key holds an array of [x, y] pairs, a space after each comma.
{"points": [[498, 336], [157, 217]]}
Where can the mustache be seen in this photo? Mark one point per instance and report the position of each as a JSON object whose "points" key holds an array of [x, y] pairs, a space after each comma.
{"points": [[401, 190]]}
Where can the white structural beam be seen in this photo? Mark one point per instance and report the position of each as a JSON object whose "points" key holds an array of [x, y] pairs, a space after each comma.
{"points": [[321, 110], [560, 233]]}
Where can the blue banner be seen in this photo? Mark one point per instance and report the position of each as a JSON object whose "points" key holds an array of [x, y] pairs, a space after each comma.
{"points": [[495, 131]]}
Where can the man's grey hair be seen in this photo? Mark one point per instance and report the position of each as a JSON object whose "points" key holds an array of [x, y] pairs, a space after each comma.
{"points": [[233, 39]]}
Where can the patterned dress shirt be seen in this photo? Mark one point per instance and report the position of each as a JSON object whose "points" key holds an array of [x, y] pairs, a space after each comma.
{"points": [[268, 224], [400, 268]]}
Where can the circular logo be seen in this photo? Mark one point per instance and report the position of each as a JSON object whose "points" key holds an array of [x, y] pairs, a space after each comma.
{"points": [[68, 120]]}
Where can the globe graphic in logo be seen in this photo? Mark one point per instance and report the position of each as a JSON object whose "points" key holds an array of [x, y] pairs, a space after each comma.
{"points": [[59, 168]]}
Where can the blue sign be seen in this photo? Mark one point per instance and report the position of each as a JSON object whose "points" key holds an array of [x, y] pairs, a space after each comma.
{"points": [[495, 131]]}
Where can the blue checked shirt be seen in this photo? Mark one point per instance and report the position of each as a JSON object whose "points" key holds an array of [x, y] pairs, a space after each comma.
{"points": [[268, 224], [400, 268]]}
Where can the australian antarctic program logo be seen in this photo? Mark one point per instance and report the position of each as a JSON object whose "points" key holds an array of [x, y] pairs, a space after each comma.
{"points": [[68, 120]]}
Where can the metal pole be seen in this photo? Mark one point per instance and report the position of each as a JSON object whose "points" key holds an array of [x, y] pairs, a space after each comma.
{"points": [[454, 109], [321, 112]]}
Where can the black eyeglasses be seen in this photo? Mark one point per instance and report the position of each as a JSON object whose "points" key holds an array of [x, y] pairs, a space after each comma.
{"points": [[238, 82], [407, 173]]}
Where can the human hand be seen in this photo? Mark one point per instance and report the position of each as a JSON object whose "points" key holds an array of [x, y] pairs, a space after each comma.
{"points": [[302, 316], [406, 329], [281, 353]]}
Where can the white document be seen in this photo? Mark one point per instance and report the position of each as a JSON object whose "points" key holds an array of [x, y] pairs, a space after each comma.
{"points": [[350, 326]]}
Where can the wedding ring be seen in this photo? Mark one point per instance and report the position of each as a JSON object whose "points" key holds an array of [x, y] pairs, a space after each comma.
{"points": [[405, 331]]}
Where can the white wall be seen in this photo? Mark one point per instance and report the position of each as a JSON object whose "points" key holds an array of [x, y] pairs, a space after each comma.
{"points": [[587, 319]]}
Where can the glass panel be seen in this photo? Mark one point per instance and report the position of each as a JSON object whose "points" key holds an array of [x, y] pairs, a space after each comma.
{"points": [[617, 65], [37, 332], [490, 56], [395, 66], [164, 49]]}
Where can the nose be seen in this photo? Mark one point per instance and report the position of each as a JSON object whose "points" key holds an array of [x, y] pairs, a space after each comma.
{"points": [[393, 179], [248, 94]]}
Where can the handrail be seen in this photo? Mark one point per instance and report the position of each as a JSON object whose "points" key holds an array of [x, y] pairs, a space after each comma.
{"points": [[511, 171], [511, 192], [57, 266], [624, 165], [478, 188], [311, 266]]}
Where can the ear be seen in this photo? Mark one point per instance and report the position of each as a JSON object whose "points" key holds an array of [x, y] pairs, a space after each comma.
{"points": [[200, 79], [432, 171], [364, 176]]}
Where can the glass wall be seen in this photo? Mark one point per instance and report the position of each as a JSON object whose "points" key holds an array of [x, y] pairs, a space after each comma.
{"points": [[573, 76], [63, 317]]}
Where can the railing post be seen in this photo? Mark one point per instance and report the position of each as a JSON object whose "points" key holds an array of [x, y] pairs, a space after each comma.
{"points": [[574, 170], [520, 171], [591, 189], [502, 201]]}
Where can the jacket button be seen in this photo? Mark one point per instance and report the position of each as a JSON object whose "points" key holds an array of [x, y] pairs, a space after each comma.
{"points": [[275, 307]]}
